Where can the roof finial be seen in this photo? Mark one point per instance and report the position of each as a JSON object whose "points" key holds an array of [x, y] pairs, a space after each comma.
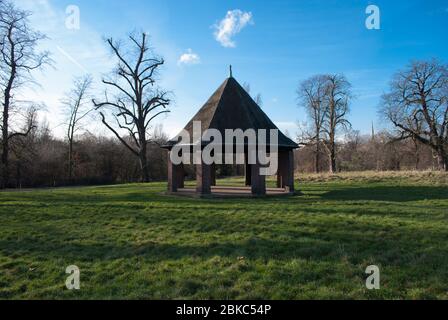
{"points": [[231, 75]]}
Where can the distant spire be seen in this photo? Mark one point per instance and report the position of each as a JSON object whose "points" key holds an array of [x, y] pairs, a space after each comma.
{"points": [[231, 75], [373, 132]]}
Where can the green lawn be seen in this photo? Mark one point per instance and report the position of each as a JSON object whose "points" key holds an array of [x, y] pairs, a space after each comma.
{"points": [[133, 242]]}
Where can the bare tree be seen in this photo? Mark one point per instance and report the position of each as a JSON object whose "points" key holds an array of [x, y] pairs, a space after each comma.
{"points": [[23, 147], [417, 105], [312, 95], [337, 100], [326, 99], [78, 106], [246, 87], [19, 57], [257, 98], [136, 101]]}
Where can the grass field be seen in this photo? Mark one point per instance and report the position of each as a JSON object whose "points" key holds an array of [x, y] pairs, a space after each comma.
{"points": [[133, 242]]}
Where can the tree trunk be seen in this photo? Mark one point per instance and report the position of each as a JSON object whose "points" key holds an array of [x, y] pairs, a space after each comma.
{"points": [[144, 164], [317, 158], [70, 160], [332, 160], [332, 154], [5, 143], [5, 164], [442, 160], [6, 104]]}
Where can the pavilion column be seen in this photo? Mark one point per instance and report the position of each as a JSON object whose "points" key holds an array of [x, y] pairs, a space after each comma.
{"points": [[285, 174], [176, 175], [247, 171], [180, 176], [258, 180], [213, 175], [203, 179]]}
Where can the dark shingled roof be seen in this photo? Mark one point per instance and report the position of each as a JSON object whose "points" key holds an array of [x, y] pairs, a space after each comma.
{"points": [[231, 107]]}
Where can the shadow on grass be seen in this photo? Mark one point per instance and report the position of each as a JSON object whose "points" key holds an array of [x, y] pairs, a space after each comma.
{"points": [[357, 245], [384, 193]]}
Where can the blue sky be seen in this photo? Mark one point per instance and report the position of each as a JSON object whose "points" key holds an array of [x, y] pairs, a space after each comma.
{"points": [[280, 44]]}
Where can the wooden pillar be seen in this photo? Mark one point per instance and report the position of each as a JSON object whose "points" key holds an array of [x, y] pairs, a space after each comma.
{"points": [[247, 171], [176, 175], [248, 174], [213, 174], [290, 174], [180, 176], [203, 179], [258, 180], [281, 170], [285, 174]]}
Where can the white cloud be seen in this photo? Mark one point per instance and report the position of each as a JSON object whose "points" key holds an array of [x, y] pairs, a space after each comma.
{"points": [[189, 57], [232, 24]]}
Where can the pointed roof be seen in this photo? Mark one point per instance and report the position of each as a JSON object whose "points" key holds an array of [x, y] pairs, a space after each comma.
{"points": [[231, 107]]}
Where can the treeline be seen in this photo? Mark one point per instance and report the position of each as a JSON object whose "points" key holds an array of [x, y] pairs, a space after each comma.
{"points": [[377, 152], [42, 160]]}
